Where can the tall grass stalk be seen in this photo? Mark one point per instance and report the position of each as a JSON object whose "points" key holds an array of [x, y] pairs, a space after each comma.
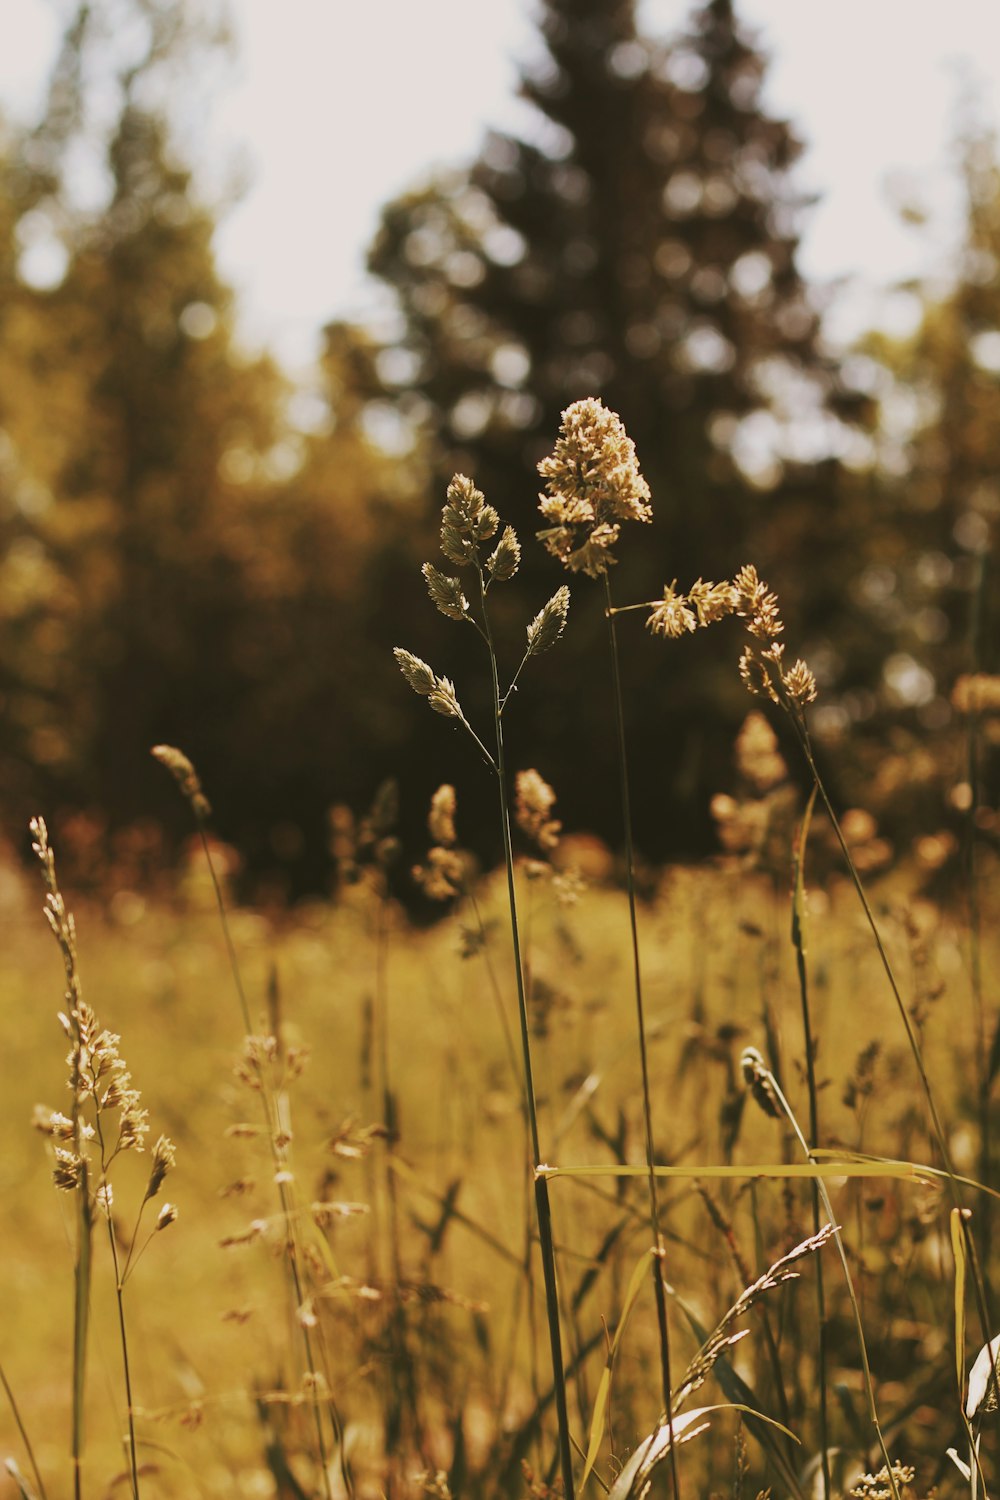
{"points": [[23, 1434], [799, 944], [187, 779], [647, 1114], [541, 1188], [64, 929], [467, 522]]}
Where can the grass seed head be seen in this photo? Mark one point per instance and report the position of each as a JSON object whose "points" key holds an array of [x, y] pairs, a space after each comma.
{"points": [[446, 593], [441, 818], [505, 560], [549, 623], [466, 521], [592, 483], [534, 801], [164, 1157], [186, 777]]}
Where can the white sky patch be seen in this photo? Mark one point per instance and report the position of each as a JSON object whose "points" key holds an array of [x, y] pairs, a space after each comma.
{"points": [[333, 108]]}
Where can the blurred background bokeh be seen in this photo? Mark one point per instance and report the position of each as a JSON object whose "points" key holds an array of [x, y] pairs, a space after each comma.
{"points": [[201, 546]]}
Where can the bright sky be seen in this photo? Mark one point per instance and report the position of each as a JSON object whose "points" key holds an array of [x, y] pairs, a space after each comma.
{"points": [[368, 97]]}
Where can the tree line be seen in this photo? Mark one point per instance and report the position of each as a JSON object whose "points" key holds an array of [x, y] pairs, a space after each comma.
{"points": [[182, 561]]}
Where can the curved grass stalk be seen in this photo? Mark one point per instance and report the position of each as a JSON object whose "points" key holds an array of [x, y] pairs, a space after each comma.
{"points": [[23, 1434], [762, 1077]]}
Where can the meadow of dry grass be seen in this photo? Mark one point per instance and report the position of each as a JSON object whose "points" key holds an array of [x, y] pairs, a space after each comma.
{"points": [[479, 1209], [210, 1325]]}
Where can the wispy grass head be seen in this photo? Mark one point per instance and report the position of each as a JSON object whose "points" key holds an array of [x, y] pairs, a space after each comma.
{"points": [[443, 875], [593, 483], [676, 615], [535, 800], [439, 691], [186, 777], [466, 521], [762, 663]]}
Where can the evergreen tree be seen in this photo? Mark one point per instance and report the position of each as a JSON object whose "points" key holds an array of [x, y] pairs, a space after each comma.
{"points": [[641, 247]]}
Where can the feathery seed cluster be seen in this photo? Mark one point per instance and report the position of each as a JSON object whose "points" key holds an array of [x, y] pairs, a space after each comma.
{"points": [[534, 801], [99, 1080], [186, 777], [467, 522], [762, 663], [443, 876], [593, 483]]}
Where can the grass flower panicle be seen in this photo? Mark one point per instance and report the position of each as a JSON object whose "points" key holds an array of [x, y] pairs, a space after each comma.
{"points": [[443, 876], [677, 615], [466, 522], [670, 615], [884, 1484], [534, 801], [758, 758], [762, 662], [439, 691], [504, 561], [164, 1157], [186, 777], [99, 1084], [446, 593], [593, 483], [548, 625], [441, 818]]}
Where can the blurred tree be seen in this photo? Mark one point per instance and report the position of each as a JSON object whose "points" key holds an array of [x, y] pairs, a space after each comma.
{"points": [[640, 246], [181, 560]]}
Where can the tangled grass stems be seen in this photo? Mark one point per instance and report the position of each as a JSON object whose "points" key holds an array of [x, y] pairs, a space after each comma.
{"points": [[798, 720], [763, 671], [186, 777], [767, 1091]]}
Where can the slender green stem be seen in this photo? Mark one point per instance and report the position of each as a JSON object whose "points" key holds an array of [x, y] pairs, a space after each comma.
{"points": [[81, 1312], [799, 944], [483, 750], [22, 1432], [542, 1206], [647, 1113], [126, 1369], [513, 681]]}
